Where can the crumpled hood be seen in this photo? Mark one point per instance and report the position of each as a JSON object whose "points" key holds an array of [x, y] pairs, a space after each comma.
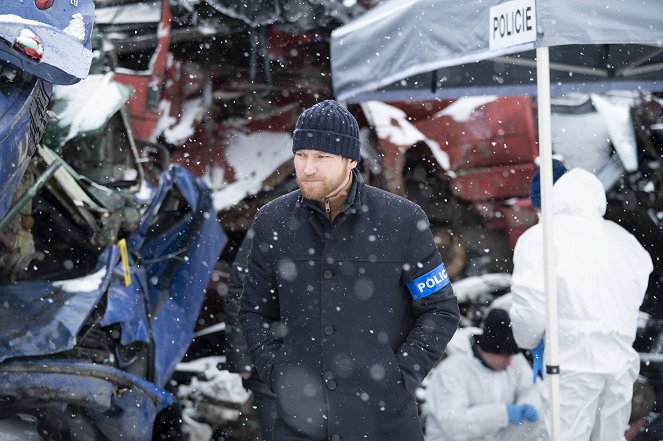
{"points": [[579, 193]]}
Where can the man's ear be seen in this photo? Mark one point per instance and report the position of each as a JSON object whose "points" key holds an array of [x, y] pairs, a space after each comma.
{"points": [[353, 164]]}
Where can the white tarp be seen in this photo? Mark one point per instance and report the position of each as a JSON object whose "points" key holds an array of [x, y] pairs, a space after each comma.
{"points": [[418, 49]]}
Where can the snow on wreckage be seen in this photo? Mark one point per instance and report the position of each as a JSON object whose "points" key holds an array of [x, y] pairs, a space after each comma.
{"points": [[85, 350]]}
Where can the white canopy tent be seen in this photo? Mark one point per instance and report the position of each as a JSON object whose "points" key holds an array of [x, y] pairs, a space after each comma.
{"points": [[420, 49], [424, 49]]}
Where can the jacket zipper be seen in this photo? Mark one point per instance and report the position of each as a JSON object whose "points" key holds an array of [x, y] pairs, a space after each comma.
{"points": [[328, 209]]}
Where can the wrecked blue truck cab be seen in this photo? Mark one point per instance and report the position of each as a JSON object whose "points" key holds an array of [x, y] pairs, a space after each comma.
{"points": [[39, 47], [92, 354], [99, 292]]}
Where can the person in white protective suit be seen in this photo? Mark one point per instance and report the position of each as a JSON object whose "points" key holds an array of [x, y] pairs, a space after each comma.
{"points": [[484, 392], [601, 274]]}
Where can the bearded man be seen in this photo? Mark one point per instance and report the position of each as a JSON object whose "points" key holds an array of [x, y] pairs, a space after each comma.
{"points": [[347, 304]]}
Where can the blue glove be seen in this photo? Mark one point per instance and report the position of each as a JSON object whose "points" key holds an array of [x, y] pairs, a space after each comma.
{"points": [[519, 412], [529, 413], [515, 413], [537, 360]]}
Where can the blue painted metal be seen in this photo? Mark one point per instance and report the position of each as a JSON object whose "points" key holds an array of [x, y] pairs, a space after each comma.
{"points": [[23, 120], [27, 196], [42, 317], [178, 242], [178, 262], [38, 389], [126, 305], [122, 406], [64, 30]]}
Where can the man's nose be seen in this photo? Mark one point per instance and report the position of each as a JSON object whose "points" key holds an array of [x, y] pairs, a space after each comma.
{"points": [[310, 166]]}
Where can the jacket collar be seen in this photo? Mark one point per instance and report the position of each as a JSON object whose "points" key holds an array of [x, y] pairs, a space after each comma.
{"points": [[354, 195]]}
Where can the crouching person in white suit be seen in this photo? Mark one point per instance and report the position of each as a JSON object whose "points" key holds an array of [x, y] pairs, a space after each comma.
{"points": [[485, 392]]}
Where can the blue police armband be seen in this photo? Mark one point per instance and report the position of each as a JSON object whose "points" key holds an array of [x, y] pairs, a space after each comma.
{"points": [[429, 283]]}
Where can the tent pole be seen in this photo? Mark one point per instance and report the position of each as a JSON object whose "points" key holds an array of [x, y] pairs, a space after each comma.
{"points": [[545, 155]]}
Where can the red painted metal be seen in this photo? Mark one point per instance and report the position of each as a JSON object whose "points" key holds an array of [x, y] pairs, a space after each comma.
{"points": [[497, 133], [43, 4], [421, 110], [148, 85], [29, 45], [500, 182], [513, 217]]}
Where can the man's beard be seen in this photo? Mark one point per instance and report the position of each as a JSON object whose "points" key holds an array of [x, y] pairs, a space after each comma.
{"points": [[321, 188]]}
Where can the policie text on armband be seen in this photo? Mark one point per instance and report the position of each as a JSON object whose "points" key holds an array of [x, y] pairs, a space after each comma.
{"points": [[429, 283]]}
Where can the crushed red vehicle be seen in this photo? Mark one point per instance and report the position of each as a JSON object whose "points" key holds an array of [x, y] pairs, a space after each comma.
{"points": [[208, 89]]}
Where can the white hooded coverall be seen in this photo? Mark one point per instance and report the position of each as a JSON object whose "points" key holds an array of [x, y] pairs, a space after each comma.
{"points": [[601, 273], [466, 400]]}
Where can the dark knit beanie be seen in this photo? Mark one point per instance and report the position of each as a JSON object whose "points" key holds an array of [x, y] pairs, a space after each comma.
{"points": [[497, 337], [328, 127], [558, 170]]}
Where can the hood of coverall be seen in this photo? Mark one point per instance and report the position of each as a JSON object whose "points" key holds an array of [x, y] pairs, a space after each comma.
{"points": [[579, 193]]}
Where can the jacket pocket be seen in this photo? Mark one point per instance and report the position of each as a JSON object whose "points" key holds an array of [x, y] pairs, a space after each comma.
{"points": [[393, 375]]}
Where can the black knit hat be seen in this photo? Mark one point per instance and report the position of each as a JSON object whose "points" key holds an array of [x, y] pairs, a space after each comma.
{"points": [[328, 127], [497, 337]]}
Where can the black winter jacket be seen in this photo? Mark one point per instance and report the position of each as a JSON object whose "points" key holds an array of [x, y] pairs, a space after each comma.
{"points": [[330, 322], [237, 353]]}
